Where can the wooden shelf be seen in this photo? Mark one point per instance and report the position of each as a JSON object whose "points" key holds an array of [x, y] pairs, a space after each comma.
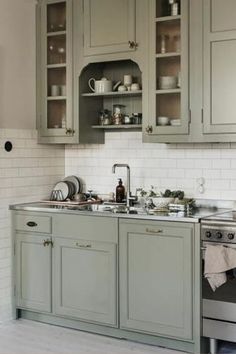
{"points": [[122, 126], [168, 55], [56, 33], [56, 98], [113, 94], [163, 92], [168, 18]]}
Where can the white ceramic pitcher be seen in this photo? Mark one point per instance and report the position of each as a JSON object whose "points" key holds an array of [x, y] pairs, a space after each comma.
{"points": [[102, 86]]}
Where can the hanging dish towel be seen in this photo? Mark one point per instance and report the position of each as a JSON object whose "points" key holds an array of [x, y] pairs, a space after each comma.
{"points": [[218, 259]]}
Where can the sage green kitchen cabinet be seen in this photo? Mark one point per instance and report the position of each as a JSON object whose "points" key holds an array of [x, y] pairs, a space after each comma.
{"points": [[55, 74], [85, 274], [219, 70], [59, 53], [168, 56], [33, 271], [109, 26], [156, 284]]}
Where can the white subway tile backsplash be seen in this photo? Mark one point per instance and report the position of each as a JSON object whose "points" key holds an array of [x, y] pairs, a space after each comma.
{"points": [[163, 165]]}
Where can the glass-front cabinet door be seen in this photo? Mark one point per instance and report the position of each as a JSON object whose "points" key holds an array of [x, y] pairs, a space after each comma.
{"points": [[56, 68], [168, 68]]}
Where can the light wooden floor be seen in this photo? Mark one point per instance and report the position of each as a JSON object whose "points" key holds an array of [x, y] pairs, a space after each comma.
{"points": [[27, 337]]}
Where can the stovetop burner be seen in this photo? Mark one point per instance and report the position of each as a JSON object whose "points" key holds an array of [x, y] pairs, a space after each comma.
{"points": [[229, 216]]}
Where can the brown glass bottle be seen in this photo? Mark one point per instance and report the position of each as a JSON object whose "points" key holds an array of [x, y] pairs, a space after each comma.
{"points": [[120, 192]]}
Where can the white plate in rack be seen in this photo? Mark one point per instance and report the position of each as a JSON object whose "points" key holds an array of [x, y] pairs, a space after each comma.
{"points": [[63, 187], [75, 180]]}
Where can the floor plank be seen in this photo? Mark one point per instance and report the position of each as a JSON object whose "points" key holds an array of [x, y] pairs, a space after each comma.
{"points": [[28, 337]]}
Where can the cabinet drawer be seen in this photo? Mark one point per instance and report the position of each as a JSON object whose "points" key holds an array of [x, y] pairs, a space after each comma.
{"points": [[158, 228], [33, 223], [85, 227]]}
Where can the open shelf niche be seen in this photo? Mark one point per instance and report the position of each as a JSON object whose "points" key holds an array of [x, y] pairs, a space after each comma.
{"points": [[90, 104]]}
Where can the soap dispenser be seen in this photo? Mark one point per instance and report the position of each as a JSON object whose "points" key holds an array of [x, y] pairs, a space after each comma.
{"points": [[120, 192]]}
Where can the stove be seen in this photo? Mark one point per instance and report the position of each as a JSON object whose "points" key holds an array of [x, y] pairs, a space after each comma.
{"points": [[219, 306], [219, 228]]}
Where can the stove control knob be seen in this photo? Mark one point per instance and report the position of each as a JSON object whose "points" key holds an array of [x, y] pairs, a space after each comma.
{"points": [[208, 234], [219, 235], [230, 236]]}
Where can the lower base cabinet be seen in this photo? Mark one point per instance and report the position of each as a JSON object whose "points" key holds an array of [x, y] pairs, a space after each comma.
{"points": [[85, 280], [33, 272], [156, 278], [67, 272]]}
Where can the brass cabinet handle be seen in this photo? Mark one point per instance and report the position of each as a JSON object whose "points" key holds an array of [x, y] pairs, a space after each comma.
{"points": [[149, 129], [83, 246], [47, 243], [32, 224], [151, 231], [133, 45], [70, 131]]}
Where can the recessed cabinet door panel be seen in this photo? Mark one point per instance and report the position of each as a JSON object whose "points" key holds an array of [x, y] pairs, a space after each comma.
{"points": [[219, 85], [33, 288], [85, 280], [223, 15], [109, 25], [155, 280]]}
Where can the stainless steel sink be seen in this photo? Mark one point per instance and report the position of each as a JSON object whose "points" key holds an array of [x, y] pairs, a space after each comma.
{"points": [[117, 209]]}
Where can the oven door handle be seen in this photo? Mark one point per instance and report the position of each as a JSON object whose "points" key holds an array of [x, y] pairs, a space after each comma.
{"points": [[227, 245]]}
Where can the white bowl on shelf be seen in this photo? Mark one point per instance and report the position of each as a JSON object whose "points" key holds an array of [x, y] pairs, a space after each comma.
{"points": [[175, 122], [167, 82], [161, 120]]}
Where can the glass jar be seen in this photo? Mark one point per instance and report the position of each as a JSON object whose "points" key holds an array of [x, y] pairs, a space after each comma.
{"points": [[164, 43], [104, 117], [118, 114]]}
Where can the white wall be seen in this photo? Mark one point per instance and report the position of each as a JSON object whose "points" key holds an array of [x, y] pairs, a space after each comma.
{"points": [[17, 64], [164, 166], [30, 170]]}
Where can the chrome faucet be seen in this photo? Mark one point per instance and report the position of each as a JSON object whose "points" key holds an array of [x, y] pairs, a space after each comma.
{"points": [[128, 197]]}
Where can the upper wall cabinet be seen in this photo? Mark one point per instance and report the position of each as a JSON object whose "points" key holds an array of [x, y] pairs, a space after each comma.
{"points": [[168, 71], [55, 70], [59, 52], [109, 26], [219, 69]]}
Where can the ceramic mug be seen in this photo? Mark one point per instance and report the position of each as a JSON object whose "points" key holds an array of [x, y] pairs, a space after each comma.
{"points": [[79, 197], [127, 80]]}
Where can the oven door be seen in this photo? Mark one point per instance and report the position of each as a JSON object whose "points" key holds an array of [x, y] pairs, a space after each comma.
{"points": [[219, 304]]}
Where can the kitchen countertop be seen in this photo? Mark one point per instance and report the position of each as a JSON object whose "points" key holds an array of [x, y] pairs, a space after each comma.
{"points": [[96, 210]]}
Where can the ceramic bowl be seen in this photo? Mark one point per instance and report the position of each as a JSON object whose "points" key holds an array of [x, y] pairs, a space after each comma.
{"points": [[167, 82], [161, 202], [163, 120]]}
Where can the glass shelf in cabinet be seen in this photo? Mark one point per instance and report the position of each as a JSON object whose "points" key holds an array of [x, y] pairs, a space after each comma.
{"points": [[168, 55], [168, 18], [169, 91], [51, 98], [58, 33]]}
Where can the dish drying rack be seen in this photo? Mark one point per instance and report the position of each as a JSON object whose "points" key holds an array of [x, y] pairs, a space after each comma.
{"points": [[56, 198]]}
